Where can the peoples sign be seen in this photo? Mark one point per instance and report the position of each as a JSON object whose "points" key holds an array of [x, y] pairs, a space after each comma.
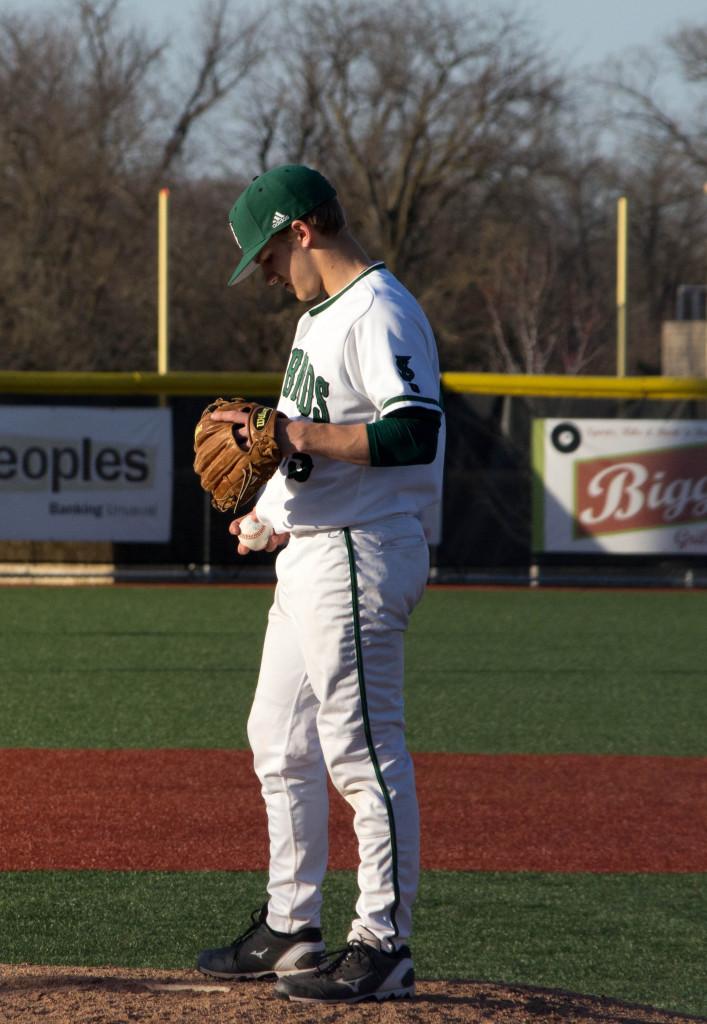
{"points": [[620, 486], [80, 473]]}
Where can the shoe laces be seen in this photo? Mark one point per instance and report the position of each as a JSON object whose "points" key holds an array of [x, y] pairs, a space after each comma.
{"points": [[256, 919], [355, 951]]}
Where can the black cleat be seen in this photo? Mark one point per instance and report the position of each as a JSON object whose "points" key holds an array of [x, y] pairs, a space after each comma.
{"points": [[260, 952], [358, 972]]}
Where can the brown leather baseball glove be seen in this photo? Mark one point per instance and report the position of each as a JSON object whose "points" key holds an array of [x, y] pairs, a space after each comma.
{"points": [[232, 475]]}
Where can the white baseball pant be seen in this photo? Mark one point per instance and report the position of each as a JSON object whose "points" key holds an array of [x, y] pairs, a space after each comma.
{"points": [[330, 698]]}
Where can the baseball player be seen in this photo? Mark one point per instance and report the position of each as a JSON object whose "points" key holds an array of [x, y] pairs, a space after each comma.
{"points": [[361, 435]]}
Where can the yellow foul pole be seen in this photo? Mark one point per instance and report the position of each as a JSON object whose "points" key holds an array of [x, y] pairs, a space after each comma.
{"points": [[704, 189], [621, 284], [162, 281]]}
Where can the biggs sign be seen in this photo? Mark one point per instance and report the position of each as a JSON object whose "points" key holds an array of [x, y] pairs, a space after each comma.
{"points": [[620, 486]]}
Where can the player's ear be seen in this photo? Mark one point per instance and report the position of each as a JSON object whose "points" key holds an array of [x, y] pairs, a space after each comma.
{"points": [[303, 233]]}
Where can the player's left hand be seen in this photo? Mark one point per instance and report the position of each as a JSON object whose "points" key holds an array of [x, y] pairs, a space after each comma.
{"points": [[240, 421], [240, 434], [233, 470]]}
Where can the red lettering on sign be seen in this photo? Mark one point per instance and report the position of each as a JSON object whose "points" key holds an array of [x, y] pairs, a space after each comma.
{"points": [[639, 491]]}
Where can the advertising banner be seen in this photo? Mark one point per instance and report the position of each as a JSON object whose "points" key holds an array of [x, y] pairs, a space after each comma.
{"points": [[84, 474], [620, 486]]}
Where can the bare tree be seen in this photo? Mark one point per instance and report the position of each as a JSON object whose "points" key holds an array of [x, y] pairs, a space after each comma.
{"points": [[643, 106], [407, 104], [661, 165], [690, 47], [64, 141], [85, 139], [543, 312], [228, 52], [454, 144], [421, 115]]}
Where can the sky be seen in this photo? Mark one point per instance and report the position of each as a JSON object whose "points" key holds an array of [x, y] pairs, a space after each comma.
{"points": [[579, 31], [591, 31], [583, 30]]}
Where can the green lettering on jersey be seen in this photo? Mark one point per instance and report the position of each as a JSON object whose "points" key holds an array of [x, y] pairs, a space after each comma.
{"points": [[295, 360], [305, 389], [321, 392], [305, 400], [300, 378]]}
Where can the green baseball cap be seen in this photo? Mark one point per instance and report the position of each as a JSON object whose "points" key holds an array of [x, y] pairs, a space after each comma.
{"points": [[269, 204]]}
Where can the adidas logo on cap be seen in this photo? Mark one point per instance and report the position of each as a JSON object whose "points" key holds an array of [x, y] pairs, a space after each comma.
{"points": [[279, 219]]}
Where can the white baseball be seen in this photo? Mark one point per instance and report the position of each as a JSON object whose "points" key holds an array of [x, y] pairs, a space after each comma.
{"points": [[254, 534]]}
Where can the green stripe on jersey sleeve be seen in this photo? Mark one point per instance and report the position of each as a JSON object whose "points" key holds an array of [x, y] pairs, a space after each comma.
{"points": [[414, 399]]}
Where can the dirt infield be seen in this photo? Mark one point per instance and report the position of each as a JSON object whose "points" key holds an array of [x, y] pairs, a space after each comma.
{"points": [[71, 995], [176, 810]]}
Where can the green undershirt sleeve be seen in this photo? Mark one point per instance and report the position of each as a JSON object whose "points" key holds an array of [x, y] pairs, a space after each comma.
{"points": [[407, 437]]}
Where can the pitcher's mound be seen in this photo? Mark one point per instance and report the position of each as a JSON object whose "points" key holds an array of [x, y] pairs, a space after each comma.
{"points": [[119, 995]]}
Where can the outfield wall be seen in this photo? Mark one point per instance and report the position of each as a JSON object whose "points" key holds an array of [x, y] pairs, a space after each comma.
{"points": [[487, 532]]}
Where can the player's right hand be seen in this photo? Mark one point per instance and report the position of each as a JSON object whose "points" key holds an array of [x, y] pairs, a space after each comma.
{"points": [[275, 541]]}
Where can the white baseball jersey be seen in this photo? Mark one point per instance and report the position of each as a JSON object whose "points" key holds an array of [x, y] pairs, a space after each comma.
{"points": [[357, 356]]}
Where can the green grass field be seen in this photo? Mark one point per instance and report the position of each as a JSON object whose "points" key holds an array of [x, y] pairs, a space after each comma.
{"points": [[488, 671]]}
